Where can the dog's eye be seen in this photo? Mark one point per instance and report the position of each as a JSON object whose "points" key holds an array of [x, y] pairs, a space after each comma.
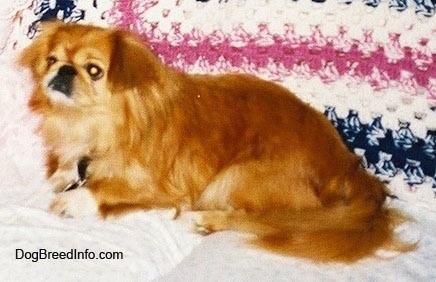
{"points": [[94, 71], [51, 60]]}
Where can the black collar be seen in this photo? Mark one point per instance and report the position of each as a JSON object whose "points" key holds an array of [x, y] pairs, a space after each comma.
{"points": [[82, 166]]}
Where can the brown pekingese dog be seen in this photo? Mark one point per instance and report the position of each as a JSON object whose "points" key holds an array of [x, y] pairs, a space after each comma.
{"points": [[242, 153]]}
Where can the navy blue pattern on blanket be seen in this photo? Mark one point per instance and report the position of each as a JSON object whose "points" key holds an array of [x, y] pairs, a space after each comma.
{"points": [[388, 152]]}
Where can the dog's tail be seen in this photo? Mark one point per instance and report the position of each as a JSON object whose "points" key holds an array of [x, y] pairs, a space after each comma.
{"points": [[326, 234], [353, 228]]}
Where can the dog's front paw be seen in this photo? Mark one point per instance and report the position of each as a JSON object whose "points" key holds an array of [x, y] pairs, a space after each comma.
{"points": [[75, 203]]}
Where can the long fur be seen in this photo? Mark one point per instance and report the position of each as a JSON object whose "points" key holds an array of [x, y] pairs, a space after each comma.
{"points": [[245, 154]]}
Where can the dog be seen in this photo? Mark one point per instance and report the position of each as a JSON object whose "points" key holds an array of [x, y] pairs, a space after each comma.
{"points": [[238, 152]]}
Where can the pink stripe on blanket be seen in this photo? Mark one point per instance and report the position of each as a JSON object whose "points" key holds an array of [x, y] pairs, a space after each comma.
{"points": [[411, 70]]}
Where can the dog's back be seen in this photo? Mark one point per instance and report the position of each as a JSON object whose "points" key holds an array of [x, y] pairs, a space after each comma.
{"points": [[290, 178]]}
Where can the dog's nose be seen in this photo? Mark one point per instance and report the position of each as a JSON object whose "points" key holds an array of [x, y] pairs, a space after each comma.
{"points": [[63, 81], [67, 70]]}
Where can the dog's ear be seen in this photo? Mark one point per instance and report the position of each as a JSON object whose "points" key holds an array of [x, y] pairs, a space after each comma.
{"points": [[133, 65]]}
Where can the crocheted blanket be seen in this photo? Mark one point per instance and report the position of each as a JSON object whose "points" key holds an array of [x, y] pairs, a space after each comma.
{"points": [[368, 65]]}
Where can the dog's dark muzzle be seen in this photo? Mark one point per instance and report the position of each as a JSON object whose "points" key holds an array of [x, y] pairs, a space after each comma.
{"points": [[63, 81]]}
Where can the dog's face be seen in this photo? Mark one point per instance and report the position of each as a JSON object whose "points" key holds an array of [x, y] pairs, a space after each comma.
{"points": [[70, 71], [78, 65], [75, 72]]}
